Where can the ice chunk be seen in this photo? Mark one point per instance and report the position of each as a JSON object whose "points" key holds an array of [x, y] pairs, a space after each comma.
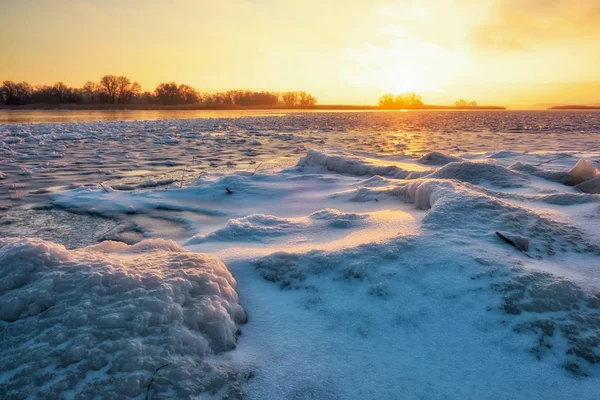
{"points": [[583, 171]]}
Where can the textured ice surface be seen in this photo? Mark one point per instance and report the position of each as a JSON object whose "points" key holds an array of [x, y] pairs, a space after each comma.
{"points": [[590, 186], [480, 172], [437, 158], [371, 269], [349, 164], [262, 228], [97, 322]]}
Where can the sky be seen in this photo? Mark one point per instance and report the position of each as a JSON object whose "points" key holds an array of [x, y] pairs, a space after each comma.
{"points": [[517, 53]]}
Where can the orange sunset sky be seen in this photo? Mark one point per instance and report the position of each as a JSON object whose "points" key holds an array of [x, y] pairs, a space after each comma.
{"points": [[518, 53]]}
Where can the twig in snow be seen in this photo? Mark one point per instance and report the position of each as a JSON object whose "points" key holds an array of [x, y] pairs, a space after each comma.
{"points": [[105, 189], [256, 169], [228, 191], [182, 177], [152, 380]]}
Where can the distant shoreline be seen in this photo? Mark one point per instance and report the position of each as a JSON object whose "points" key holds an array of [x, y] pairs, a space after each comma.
{"points": [[192, 107], [575, 107]]}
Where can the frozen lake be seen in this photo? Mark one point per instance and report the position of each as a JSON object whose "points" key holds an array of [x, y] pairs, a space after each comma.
{"points": [[42, 158], [356, 253], [8, 116]]}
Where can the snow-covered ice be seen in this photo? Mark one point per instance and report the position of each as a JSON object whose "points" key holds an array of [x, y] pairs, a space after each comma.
{"points": [[97, 322], [367, 270]]}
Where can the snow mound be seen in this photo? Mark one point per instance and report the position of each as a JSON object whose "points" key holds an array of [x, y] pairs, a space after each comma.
{"points": [[437, 158], [480, 172], [464, 208], [551, 175], [591, 186], [583, 171], [560, 199], [504, 154], [348, 164], [263, 228], [102, 319], [255, 227], [337, 219]]}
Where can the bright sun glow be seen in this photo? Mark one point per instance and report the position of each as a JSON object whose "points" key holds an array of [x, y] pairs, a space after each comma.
{"points": [[401, 64], [506, 52]]}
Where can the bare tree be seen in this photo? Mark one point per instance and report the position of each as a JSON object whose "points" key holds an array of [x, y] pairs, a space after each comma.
{"points": [[306, 99], [134, 91], [15, 94], [90, 90], [110, 85], [289, 99], [61, 92], [387, 101], [123, 86]]}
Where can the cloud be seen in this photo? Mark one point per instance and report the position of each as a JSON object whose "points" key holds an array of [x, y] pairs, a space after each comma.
{"points": [[406, 8], [392, 30], [522, 24]]}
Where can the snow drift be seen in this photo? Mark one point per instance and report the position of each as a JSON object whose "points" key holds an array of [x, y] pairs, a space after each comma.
{"points": [[480, 172], [349, 164], [437, 158], [263, 228], [582, 172], [102, 319]]}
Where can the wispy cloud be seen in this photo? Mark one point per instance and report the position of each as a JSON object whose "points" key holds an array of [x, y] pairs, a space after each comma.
{"points": [[522, 24]]}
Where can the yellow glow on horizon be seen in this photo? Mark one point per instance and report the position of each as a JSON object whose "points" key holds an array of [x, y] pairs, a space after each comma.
{"points": [[344, 52]]}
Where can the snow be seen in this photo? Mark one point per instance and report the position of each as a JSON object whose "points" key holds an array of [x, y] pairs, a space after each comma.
{"points": [[348, 164], [255, 227], [583, 171], [103, 318], [367, 270], [437, 158], [590, 186], [480, 172]]}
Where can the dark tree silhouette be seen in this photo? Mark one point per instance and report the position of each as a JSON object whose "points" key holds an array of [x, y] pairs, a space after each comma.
{"points": [[115, 89], [110, 85], [15, 94]]}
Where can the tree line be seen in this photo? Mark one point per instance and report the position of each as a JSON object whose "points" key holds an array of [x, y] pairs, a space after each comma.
{"points": [[413, 100], [400, 101], [113, 89], [462, 103]]}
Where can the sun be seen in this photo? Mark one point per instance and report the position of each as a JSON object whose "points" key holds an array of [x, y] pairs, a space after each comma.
{"points": [[407, 64], [402, 84]]}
